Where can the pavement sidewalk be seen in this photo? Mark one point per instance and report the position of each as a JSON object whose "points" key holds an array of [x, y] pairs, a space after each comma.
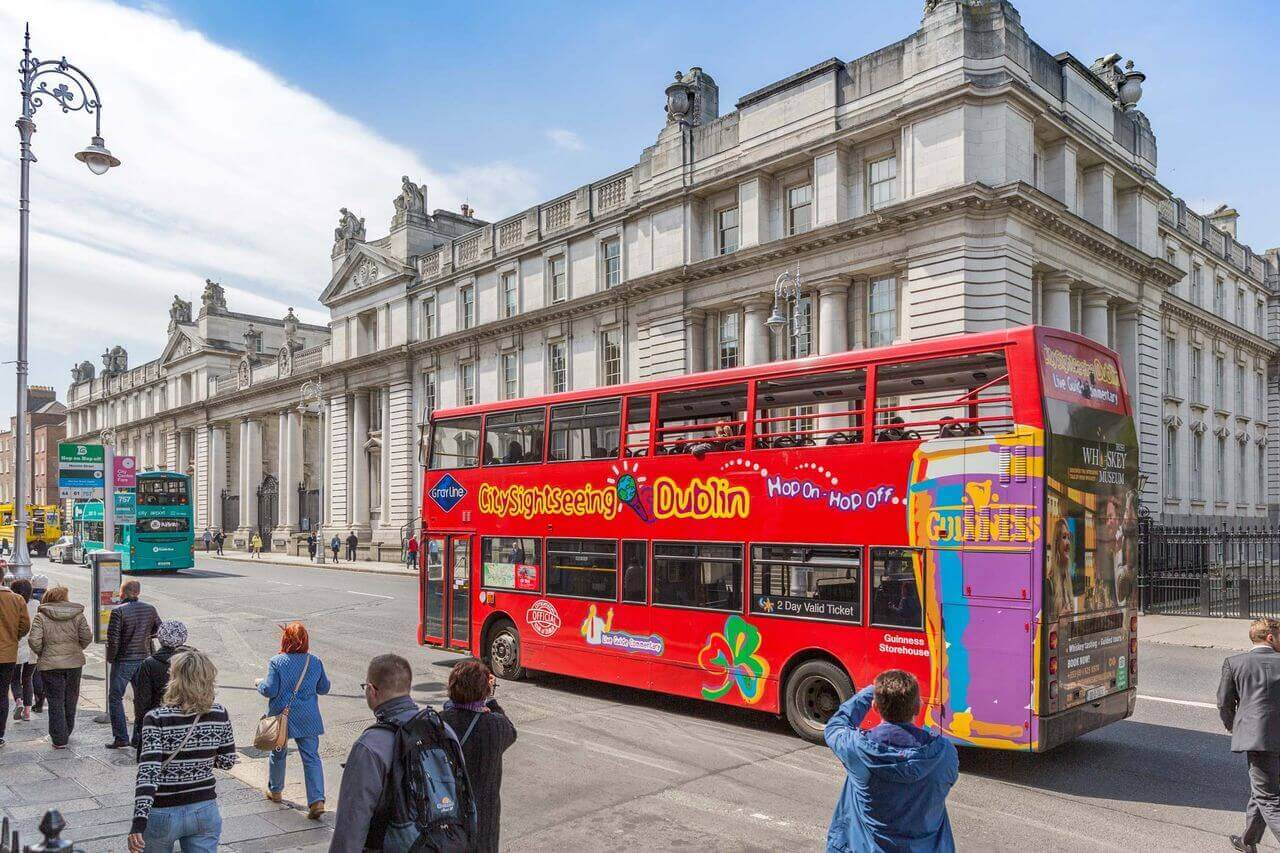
{"points": [[92, 787], [367, 566], [1197, 631]]}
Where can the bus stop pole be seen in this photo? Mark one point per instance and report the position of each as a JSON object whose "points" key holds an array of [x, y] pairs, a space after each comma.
{"points": [[108, 545]]}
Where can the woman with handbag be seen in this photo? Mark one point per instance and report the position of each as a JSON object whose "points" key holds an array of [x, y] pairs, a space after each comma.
{"points": [[295, 678], [176, 803]]}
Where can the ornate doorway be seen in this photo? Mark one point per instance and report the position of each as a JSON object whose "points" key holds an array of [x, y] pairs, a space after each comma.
{"points": [[268, 509]]}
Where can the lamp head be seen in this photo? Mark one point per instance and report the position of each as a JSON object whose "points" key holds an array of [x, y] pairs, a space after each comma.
{"points": [[776, 322], [97, 157]]}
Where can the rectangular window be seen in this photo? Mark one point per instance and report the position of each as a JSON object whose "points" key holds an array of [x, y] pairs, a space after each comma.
{"points": [[638, 409], [556, 272], [895, 600], [1257, 318], [800, 333], [1171, 367], [1197, 283], [427, 318], [466, 384], [807, 582], [1240, 308], [702, 420], [583, 568], [1171, 461], [1220, 469], [1197, 467], [612, 256], [1219, 382], [727, 231], [558, 366], [1259, 408], [1262, 477], [1197, 394], [635, 572], [945, 397], [788, 413], [799, 209], [1242, 466], [467, 295], [428, 396], [455, 442], [729, 339], [510, 375], [882, 181], [511, 562], [1240, 389], [882, 311], [514, 438], [510, 294], [375, 411], [585, 430], [611, 356], [1219, 298], [697, 574]]}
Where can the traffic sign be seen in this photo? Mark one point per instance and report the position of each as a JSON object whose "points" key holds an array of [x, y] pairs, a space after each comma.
{"points": [[126, 507], [125, 474], [80, 471]]}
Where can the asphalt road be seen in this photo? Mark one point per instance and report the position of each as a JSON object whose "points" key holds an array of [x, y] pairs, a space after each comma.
{"points": [[606, 768]]}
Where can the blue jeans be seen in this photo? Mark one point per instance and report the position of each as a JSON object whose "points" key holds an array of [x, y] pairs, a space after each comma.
{"points": [[121, 674], [312, 769], [196, 828]]}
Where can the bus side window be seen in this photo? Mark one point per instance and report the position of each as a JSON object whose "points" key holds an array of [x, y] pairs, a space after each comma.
{"points": [[455, 443], [827, 577], [948, 397], [585, 430], [695, 574], [702, 420], [635, 572], [637, 432], [895, 600], [804, 411], [514, 438]]}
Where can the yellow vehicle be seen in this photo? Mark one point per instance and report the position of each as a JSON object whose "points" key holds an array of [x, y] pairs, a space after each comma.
{"points": [[44, 526]]}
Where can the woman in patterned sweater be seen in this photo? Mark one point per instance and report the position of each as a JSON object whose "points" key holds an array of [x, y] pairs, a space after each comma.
{"points": [[182, 742]]}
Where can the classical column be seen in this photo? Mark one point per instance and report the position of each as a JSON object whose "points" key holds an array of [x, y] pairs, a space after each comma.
{"points": [[389, 533], [833, 317], [217, 474], [183, 462], [695, 340], [1127, 345], [287, 521], [1094, 325], [359, 460], [755, 334], [251, 478], [1055, 300]]}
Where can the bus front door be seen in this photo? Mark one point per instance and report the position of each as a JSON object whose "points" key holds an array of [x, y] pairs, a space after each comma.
{"points": [[446, 594]]}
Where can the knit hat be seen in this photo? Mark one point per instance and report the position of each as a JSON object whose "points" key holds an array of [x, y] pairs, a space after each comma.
{"points": [[172, 633], [39, 582]]}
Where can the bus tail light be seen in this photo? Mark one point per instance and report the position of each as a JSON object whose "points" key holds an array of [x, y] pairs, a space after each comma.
{"points": [[1053, 666], [1133, 646], [1053, 639], [1053, 691], [1133, 624]]}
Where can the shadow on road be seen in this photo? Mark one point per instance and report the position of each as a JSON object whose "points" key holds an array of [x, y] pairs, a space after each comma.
{"points": [[1128, 761], [203, 573]]}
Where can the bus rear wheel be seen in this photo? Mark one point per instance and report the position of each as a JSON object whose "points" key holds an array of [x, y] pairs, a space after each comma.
{"points": [[504, 652], [813, 692]]}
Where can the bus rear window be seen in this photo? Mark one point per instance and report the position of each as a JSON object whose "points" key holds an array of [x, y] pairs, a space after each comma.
{"points": [[455, 443], [162, 491]]}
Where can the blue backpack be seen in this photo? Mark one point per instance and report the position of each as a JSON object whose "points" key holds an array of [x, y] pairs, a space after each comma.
{"points": [[427, 804]]}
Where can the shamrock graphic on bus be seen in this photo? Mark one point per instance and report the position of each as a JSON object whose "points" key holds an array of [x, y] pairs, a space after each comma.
{"points": [[734, 654]]}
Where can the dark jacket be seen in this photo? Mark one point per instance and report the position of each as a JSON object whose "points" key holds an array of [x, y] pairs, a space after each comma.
{"points": [[130, 630], [483, 749], [364, 775], [151, 679], [352, 541], [1249, 700], [895, 792]]}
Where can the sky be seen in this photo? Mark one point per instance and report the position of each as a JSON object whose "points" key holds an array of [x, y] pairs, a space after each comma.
{"points": [[244, 126]]}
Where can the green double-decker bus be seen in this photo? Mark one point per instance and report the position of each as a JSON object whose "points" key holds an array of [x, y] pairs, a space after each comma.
{"points": [[161, 540]]}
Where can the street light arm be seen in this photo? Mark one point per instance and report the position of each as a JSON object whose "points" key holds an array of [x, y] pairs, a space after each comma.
{"points": [[69, 99]]}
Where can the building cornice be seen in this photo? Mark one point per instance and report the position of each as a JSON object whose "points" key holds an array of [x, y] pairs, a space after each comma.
{"points": [[1177, 308]]}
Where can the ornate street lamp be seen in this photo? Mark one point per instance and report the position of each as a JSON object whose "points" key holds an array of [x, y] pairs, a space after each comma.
{"points": [[80, 95], [786, 297]]}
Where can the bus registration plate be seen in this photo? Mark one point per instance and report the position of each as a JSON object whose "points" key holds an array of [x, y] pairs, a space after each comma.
{"points": [[1096, 693]]}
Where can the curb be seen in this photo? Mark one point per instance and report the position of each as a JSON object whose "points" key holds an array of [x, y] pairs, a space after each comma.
{"points": [[333, 567]]}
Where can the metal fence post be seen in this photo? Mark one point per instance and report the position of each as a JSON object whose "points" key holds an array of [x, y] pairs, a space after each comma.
{"points": [[1206, 595], [1246, 607]]}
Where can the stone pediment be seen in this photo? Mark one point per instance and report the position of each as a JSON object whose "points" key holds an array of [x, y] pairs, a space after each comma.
{"points": [[364, 267], [181, 344]]}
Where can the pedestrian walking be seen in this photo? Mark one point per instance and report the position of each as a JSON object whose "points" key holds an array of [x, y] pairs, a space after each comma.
{"points": [[208, 539], [14, 625], [183, 740], [39, 583], [1249, 704], [485, 733], [59, 635], [898, 775], [411, 556], [352, 542], [295, 678], [335, 545], [129, 631], [404, 738], [152, 677], [219, 539], [24, 668], [255, 545], [311, 545]]}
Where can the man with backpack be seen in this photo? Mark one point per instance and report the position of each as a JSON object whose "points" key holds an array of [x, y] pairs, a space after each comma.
{"points": [[405, 783]]}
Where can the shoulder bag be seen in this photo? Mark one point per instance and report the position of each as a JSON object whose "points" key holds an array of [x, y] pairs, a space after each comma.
{"points": [[181, 747], [273, 730]]}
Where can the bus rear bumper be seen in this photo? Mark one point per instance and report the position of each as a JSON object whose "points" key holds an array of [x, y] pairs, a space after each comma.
{"points": [[1073, 722]]}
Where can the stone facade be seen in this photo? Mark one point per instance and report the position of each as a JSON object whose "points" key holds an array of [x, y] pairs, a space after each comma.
{"points": [[46, 419], [960, 180]]}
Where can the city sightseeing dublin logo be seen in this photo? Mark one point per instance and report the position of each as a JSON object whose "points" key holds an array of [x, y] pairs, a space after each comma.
{"points": [[632, 490]]}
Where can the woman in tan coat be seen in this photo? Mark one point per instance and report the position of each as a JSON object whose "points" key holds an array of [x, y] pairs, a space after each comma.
{"points": [[59, 636]]}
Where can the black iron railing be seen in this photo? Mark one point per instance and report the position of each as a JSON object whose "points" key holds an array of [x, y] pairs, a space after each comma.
{"points": [[1208, 571]]}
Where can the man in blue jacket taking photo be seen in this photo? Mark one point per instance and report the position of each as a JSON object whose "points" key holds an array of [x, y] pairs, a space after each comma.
{"points": [[895, 795]]}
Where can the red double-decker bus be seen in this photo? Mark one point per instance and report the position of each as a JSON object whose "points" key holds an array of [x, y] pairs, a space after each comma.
{"points": [[773, 537]]}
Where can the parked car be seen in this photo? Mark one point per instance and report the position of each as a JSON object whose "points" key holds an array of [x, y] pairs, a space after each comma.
{"points": [[60, 551]]}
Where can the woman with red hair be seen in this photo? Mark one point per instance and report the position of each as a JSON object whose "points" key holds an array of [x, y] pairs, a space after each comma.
{"points": [[295, 678]]}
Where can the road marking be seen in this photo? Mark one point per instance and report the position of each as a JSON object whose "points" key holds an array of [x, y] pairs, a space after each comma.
{"points": [[370, 594], [1178, 701]]}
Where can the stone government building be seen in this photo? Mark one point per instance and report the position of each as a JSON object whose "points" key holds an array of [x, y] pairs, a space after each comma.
{"points": [[959, 180]]}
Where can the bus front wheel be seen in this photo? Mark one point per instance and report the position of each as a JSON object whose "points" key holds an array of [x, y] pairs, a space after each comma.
{"points": [[813, 692], [504, 652]]}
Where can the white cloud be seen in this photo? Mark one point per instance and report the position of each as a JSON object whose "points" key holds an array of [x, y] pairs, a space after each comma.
{"points": [[566, 139], [228, 173]]}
